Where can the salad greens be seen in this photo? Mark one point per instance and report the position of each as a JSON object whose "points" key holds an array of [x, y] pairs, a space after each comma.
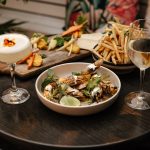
{"points": [[51, 78], [78, 88]]}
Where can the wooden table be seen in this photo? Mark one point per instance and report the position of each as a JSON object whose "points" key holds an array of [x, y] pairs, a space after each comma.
{"points": [[32, 125]]}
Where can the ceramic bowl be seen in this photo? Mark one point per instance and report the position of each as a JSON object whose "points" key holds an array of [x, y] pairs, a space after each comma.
{"points": [[65, 70]]}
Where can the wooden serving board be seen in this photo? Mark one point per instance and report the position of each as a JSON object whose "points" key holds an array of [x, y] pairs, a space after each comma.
{"points": [[53, 58]]}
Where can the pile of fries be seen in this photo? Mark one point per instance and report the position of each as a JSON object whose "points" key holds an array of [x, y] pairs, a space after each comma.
{"points": [[114, 45]]}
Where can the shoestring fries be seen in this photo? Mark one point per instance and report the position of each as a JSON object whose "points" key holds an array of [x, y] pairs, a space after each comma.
{"points": [[114, 45]]}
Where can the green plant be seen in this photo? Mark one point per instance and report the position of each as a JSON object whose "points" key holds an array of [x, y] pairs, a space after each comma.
{"points": [[3, 2], [9, 25], [88, 7]]}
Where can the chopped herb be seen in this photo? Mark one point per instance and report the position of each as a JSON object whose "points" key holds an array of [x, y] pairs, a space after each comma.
{"points": [[55, 92], [60, 41], [86, 92], [93, 82], [43, 56], [46, 82], [81, 19], [51, 78], [62, 88], [45, 38], [67, 38]]}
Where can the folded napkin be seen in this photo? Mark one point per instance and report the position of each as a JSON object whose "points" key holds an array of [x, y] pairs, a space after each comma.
{"points": [[88, 41]]}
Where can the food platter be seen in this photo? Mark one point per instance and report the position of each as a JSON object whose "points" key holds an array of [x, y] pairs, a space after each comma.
{"points": [[109, 46], [53, 58]]}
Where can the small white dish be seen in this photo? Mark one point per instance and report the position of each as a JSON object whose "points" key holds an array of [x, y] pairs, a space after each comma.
{"points": [[67, 69]]}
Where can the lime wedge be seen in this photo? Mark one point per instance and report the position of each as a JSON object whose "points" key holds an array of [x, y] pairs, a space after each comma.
{"points": [[69, 101]]}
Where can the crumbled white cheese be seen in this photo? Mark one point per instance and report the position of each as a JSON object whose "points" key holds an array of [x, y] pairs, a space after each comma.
{"points": [[95, 91], [48, 88], [75, 79], [92, 67]]}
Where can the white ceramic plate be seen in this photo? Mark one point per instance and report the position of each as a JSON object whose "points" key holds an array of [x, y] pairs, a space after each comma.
{"points": [[67, 69]]}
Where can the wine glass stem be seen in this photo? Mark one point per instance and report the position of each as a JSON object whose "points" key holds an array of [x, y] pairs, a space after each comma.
{"points": [[12, 73], [142, 74]]}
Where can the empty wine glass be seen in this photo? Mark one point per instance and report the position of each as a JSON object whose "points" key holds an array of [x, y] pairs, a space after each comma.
{"points": [[14, 47], [139, 53]]}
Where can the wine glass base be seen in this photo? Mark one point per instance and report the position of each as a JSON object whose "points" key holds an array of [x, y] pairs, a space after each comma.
{"points": [[15, 97], [138, 100]]}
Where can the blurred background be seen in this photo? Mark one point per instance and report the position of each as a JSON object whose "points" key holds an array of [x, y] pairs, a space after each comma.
{"points": [[53, 16]]}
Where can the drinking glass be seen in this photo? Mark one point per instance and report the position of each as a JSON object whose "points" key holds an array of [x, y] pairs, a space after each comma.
{"points": [[14, 47], [139, 53]]}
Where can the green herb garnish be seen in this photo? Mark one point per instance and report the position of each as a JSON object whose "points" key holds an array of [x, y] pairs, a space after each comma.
{"points": [[81, 19], [62, 89], [93, 82], [86, 92], [67, 38], [60, 41], [43, 56], [51, 78], [45, 38], [46, 82]]}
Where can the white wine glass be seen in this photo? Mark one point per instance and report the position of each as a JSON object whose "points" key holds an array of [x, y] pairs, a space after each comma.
{"points": [[14, 47], [139, 53]]}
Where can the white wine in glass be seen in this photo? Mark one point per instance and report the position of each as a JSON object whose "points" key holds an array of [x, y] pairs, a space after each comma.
{"points": [[139, 53], [14, 47]]}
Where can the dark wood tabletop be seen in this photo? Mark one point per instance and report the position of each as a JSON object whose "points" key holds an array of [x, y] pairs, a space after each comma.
{"points": [[33, 126]]}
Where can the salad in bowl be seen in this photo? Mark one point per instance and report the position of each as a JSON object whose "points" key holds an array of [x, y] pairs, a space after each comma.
{"points": [[78, 88]]}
